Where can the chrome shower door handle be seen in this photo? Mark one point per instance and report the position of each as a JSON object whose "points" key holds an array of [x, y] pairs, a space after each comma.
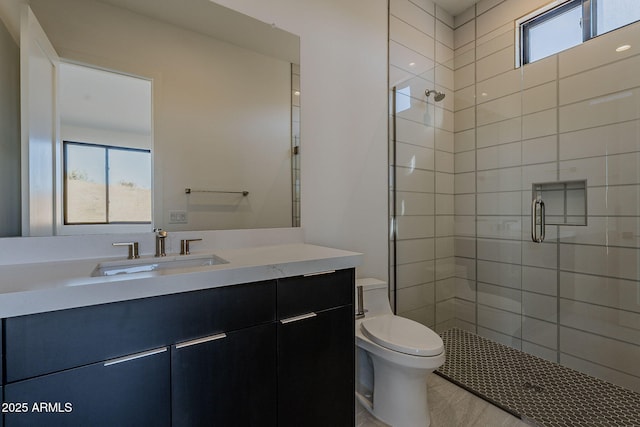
{"points": [[538, 238], [543, 226]]}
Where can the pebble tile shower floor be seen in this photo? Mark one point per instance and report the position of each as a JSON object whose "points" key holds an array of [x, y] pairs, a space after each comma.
{"points": [[538, 391]]}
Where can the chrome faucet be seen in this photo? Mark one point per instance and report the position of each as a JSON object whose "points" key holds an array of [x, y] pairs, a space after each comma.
{"points": [[161, 236], [184, 245], [133, 249]]}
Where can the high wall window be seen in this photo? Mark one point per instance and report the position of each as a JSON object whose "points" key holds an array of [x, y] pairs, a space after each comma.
{"points": [[106, 185], [564, 24]]}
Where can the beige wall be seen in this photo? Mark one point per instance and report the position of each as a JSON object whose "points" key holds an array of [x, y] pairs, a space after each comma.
{"points": [[9, 135], [221, 113]]}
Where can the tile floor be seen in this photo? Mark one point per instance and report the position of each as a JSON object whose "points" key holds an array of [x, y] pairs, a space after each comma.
{"points": [[547, 393], [452, 406], [541, 392]]}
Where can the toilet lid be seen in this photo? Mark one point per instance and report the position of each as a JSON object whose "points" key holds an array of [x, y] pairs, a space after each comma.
{"points": [[403, 335]]}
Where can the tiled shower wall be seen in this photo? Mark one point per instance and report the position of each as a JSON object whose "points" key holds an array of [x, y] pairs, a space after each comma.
{"points": [[421, 57], [575, 298]]}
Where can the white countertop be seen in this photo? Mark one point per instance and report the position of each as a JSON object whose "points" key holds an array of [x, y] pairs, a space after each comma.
{"points": [[48, 286]]}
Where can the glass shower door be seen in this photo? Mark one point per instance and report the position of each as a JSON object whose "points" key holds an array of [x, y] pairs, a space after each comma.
{"points": [[421, 202]]}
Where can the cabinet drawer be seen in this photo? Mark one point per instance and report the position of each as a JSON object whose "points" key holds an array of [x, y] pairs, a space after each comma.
{"points": [[48, 342], [303, 294], [202, 313], [129, 392]]}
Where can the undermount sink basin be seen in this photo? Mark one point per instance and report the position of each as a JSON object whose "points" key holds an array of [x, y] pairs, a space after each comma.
{"points": [[111, 268]]}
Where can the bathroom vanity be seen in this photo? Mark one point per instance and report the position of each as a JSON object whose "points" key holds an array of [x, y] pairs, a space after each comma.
{"points": [[278, 351]]}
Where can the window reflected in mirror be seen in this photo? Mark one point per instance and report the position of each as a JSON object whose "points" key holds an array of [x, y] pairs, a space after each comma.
{"points": [[106, 185]]}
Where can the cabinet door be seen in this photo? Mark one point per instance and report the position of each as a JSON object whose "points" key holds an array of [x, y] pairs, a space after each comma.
{"points": [[226, 379], [316, 369], [1, 352], [130, 391]]}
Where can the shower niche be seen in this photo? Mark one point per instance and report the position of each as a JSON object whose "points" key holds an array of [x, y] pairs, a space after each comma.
{"points": [[561, 202]]}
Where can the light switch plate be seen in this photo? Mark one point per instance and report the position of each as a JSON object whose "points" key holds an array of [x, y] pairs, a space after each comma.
{"points": [[178, 217]]}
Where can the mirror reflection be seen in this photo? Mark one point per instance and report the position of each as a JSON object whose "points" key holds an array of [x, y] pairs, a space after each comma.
{"points": [[106, 133], [225, 108]]}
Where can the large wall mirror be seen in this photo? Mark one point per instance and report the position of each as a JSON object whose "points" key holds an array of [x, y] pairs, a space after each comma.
{"points": [[224, 138]]}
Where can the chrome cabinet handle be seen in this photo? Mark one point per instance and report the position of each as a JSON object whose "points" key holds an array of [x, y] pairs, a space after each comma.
{"points": [[200, 340], [135, 356], [298, 318], [320, 273], [538, 238]]}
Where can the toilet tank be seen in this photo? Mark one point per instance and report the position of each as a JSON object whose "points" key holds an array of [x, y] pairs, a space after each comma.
{"points": [[375, 296]]}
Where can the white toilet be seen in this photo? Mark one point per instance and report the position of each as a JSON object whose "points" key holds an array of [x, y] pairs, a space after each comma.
{"points": [[394, 357]]}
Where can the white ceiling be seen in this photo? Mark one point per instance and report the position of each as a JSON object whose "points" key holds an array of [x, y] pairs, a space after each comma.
{"points": [[455, 7], [204, 12], [219, 22], [203, 16], [222, 23]]}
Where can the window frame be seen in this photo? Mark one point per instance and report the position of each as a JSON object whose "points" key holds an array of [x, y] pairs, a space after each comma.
{"points": [[65, 223], [551, 10]]}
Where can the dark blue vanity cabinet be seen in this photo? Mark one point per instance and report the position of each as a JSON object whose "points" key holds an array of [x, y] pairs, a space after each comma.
{"points": [[1, 379], [230, 355], [43, 343], [1, 356], [229, 380], [316, 346], [131, 391], [228, 376]]}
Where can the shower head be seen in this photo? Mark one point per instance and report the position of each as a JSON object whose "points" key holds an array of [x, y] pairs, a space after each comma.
{"points": [[438, 96]]}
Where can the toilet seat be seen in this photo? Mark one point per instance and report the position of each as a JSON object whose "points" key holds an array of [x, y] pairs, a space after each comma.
{"points": [[402, 335]]}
